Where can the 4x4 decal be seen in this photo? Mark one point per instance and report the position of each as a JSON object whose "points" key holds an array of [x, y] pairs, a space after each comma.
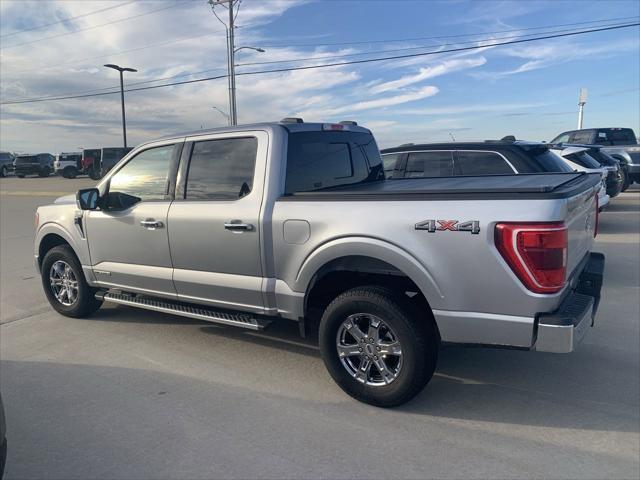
{"points": [[433, 226]]}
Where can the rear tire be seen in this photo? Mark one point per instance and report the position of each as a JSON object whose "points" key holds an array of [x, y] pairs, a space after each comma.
{"points": [[70, 172], [95, 175], [404, 340], [20, 175], [61, 264], [626, 181]]}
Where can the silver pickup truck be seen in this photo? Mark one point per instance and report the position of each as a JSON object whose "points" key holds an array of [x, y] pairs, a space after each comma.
{"points": [[294, 221]]}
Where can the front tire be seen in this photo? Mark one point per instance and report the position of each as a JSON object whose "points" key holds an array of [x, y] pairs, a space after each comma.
{"points": [[377, 347], [45, 172], [3, 171], [64, 284]]}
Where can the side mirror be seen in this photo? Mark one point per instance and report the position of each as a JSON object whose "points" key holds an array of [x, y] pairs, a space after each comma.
{"points": [[87, 198]]}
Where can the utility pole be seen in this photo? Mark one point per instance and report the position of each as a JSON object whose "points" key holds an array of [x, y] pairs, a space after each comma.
{"points": [[233, 119], [122, 69], [581, 102], [231, 52]]}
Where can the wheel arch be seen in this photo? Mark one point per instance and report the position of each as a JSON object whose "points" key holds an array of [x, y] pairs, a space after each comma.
{"points": [[348, 262], [51, 235]]}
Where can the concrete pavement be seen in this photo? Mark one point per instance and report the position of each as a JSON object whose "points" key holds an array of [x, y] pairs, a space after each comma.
{"points": [[133, 394]]}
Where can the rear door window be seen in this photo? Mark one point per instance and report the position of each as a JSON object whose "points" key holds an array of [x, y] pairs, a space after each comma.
{"points": [[548, 161], [430, 164], [221, 169], [481, 163]]}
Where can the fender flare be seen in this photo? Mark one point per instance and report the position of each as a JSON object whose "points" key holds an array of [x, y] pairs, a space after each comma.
{"points": [[57, 229], [369, 247]]}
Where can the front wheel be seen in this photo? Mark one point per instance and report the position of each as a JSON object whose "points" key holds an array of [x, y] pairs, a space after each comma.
{"points": [[377, 347], [64, 283], [3, 171], [45, 172]]}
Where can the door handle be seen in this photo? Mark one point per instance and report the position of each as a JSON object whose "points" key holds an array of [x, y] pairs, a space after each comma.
{"points": [[151, 224], [238, 226]]}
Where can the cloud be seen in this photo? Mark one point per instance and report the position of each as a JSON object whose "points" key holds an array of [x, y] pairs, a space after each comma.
{"points": [[544, 55], [477, 108], [442, 68]]}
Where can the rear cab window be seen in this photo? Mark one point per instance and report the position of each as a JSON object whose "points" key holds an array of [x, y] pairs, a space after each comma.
{"points": [[318, 160], [582, 137], [616, 136]]}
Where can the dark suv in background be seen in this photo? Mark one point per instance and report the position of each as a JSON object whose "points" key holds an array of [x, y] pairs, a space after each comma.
{"points": [[491, 157], [40, 164], [6, 163], [620, 143]]}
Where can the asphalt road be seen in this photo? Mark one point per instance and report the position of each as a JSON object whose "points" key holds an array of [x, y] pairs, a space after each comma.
{"points": [[133, 394]]}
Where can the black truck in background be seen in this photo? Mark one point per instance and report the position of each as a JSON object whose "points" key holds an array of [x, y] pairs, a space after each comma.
{"points": [[620, 143], [98, 161]]}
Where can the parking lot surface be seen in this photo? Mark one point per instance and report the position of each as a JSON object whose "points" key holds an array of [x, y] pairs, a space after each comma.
{"points": [[134, 394]]}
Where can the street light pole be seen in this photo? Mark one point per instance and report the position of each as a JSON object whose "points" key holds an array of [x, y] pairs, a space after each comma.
{"points": [[581, 102], [121, 70]]}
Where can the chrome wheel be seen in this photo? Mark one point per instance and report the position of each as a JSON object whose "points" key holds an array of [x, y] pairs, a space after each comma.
{"points": [[369, 349], [64, 283]]}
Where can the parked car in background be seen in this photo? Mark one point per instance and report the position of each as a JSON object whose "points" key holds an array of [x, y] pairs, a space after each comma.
{"points": [[450, 159], [96, 162], [295, 221], [6, 163], [615, 176], [40, 164], [579, 160], [68, 165], [620, 143]]}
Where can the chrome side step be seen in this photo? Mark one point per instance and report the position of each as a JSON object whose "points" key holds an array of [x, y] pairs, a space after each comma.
{"points": [[243, 320]]}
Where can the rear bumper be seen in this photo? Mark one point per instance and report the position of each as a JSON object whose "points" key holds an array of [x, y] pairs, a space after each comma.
{"points": [[562, 330], [634, 168]]}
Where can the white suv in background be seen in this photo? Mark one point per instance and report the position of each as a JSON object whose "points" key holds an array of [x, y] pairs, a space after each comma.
{"points": [[580, 161]]}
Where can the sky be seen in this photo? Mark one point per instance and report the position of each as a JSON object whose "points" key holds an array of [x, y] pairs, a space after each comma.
{"points": [[530, 90]]}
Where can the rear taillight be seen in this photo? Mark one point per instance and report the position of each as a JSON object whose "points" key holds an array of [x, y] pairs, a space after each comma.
{"points": [[536, 252]]}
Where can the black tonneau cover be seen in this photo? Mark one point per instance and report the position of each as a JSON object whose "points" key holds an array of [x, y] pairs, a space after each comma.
{"points": [[523, 186]]}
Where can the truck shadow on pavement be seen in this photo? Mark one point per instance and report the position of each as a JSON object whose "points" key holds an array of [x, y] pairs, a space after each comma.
{"points": [[479, 384], [95, 421]]}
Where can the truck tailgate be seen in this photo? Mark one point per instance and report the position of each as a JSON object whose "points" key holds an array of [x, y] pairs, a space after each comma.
{"points": [[581, 221]]}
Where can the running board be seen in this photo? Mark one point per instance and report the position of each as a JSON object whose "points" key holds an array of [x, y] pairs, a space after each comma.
{"points": [[243, 320]]}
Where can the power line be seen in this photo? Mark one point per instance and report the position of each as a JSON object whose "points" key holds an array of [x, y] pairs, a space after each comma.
{"points": [[335, 64], [395, 40], [93, 26], [409, 48], [65, 19]]}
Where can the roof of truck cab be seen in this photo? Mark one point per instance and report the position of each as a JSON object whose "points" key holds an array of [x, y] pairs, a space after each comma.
{"points": [[478, 145], [291, 127]]}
